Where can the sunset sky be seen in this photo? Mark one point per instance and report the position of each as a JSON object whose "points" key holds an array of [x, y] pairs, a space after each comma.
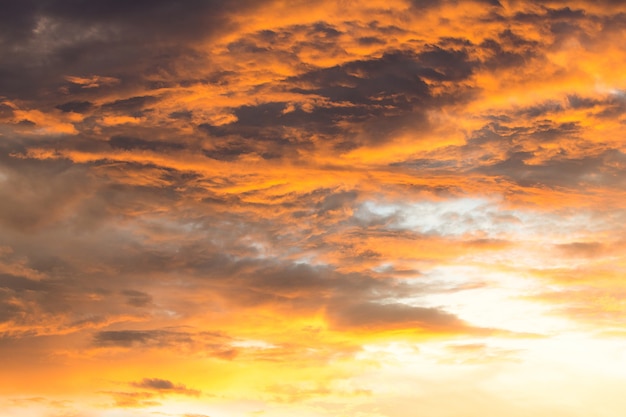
{"points": [[376, 208]]}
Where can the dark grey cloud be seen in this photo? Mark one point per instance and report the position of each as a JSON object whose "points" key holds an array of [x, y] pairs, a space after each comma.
{"points": [[128, 338], [566, 13], [185, 115], [143, 19], [290, 43], [497, 133], [541, 110], [137, 298], [509, 50], [18, 284], [17, 20], [378, 80], [268, 122], [562, 171], [44, 41], [613, 107], [577, 102], [75, 106], [337, 201], [374, 315], [305, 288], [557, 12], [503, 134], [209, 343], [164, 386], [268, 131], [421, 5], [445, 64], [9, 310], [130, 106], [6, 112], [371, 40], [378, 96], [155, 383], [128, 143]]}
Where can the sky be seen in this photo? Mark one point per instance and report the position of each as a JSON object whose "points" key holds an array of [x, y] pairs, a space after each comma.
{"points": [[269, 208]]}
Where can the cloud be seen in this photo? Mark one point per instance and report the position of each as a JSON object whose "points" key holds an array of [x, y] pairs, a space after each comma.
{"points": [[75, 106], [584, 249], [133, 105], [374, 315], [129, 143], [561, 170], [268, 191], [137, 298], [164, 386], [129, 338], [204, 343], [65, 33]]}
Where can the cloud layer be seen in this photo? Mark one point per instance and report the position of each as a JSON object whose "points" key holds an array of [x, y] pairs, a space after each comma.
{"points": [[287, 208]]}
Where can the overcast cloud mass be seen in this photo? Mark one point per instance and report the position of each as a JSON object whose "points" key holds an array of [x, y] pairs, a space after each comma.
{"points": [[314, 209]]}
